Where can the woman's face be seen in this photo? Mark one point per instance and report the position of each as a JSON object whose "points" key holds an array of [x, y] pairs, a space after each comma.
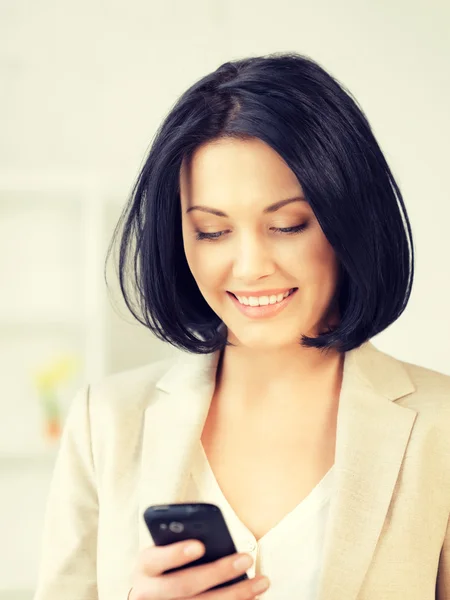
{"points": [[243, 251]]}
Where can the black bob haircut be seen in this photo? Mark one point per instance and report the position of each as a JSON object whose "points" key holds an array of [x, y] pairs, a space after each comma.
{"points": [[292, 104]]}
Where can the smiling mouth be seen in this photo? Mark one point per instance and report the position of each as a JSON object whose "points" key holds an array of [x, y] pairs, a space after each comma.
{"points": [[262, 311], [270, 300]]}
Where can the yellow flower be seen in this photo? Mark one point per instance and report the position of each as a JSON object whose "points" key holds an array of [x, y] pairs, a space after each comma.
{"points": [[56, 372]]}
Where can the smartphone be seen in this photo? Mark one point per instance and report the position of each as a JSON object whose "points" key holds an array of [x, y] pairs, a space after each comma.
{"points": [[169, 523]]}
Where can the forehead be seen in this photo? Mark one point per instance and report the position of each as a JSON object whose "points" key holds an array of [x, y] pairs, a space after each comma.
{"points": [[229, 168]]}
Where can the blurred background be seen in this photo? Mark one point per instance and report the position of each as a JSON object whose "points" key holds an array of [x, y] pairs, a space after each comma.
{"points": [[84, 85]]}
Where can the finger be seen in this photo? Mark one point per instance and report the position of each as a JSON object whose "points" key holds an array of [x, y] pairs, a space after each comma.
{"points": [[198, 579], [244, 590], [155, 560]]}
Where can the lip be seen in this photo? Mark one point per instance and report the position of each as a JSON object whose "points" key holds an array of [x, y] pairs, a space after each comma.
{"points": [[260, 312]]}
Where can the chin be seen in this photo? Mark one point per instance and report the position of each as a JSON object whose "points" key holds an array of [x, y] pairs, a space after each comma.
{"points": [[263, 340]]}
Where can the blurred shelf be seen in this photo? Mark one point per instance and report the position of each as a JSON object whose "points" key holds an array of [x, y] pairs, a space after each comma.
{"points": [[15, 322], [16, 594], [22, 460], [52, 182], [103, 187]]}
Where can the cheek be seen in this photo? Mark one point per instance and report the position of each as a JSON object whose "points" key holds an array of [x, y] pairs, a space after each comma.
{"points": [[318, 265], [205, 264]]}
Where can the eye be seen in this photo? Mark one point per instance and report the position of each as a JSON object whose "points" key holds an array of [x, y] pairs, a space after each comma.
{"points": [[290, 230], [202, 235]]}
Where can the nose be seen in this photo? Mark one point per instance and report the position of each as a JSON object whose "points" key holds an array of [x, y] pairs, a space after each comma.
{"points": [[252, 260]]}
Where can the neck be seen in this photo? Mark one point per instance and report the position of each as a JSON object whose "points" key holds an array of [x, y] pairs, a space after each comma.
{"points": [[255, 378]]}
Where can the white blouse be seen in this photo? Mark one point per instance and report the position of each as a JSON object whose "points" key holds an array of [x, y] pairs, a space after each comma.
{"points": [[290, 554]]}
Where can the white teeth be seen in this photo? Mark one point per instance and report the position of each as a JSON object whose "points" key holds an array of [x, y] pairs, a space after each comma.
{"points": [[262, 300]]}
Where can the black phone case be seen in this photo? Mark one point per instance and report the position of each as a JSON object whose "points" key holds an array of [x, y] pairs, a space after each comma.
{"points": [[169, 523]]}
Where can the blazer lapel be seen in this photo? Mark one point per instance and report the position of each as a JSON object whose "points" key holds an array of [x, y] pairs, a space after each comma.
{"points": [[372, 435], [173, 424]]}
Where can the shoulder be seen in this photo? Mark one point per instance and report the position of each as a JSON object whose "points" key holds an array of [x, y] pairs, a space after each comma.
{"points": [[431, 401], [412, 387], [131, 390], [110, 413], [409, 385], [431, 386], [396, 378], [429, 397], [116, 405], [119, 400], [428, 378]]}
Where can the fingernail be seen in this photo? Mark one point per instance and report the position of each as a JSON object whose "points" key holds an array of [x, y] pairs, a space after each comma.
{"points": [[260, 586], [243, 562], [193, 550]]}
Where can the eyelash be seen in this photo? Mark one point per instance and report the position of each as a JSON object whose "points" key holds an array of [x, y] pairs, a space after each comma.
{"points": [[200, 235]]}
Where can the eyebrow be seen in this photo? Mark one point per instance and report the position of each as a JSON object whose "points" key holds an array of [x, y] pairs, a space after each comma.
{"points": [[269, 209]]}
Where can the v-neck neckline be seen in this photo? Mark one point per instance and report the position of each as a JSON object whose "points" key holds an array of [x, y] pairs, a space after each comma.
{"points": [[304, 509]]}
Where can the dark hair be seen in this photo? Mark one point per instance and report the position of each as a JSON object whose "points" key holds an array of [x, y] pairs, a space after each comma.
{"points": [[293, 105]]}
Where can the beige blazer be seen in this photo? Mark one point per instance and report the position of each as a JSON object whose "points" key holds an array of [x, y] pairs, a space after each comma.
{"points": [[128, 443]]}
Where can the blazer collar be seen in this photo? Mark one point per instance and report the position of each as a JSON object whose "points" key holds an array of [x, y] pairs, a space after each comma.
{"points": [[371, 438]]}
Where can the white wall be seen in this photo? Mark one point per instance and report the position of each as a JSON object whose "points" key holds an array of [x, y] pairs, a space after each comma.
{"points": [[85, 84]]}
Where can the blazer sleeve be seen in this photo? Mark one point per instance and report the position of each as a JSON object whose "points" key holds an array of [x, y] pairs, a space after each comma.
{"points": [[68, 555], [443, 579]]}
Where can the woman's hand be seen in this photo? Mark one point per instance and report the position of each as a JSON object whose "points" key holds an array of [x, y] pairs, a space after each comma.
{"points": [[151, 583]]}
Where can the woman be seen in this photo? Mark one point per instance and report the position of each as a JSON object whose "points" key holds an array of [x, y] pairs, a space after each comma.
{"points": [[267, 238]]}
